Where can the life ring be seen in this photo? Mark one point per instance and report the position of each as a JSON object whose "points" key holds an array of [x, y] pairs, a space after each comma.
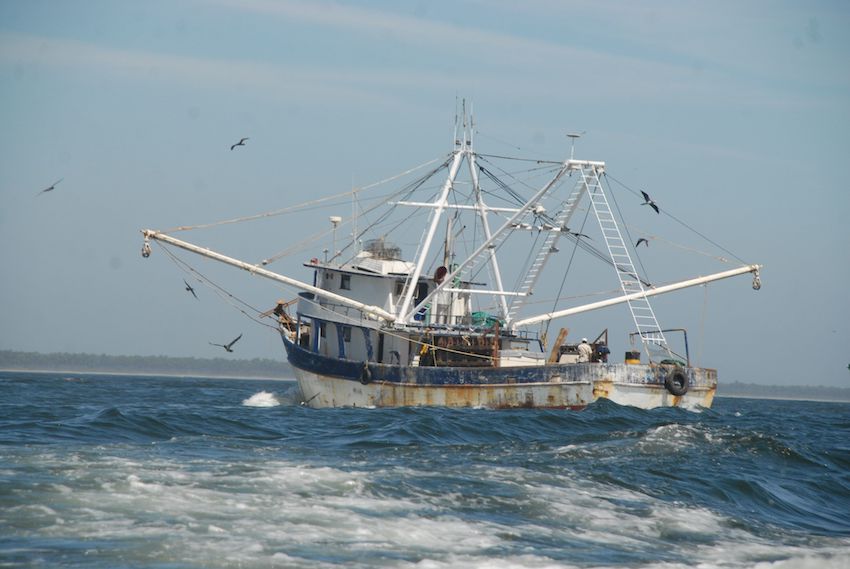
{"points": [[365, 375], [676, 382]]}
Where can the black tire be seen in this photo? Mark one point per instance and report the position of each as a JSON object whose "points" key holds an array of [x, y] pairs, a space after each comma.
{"points": [[677, 382], [365, 375]]}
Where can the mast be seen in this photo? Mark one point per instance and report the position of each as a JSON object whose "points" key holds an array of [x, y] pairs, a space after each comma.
{"points": [[485, 224], [405, 314], [440, 204]]}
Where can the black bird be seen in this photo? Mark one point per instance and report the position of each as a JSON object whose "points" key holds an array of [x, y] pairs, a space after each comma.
{"points": [[648, 201], [228, 347], [240, 143], [190, 289], [641, 240], [566, 229], [51, 188]]}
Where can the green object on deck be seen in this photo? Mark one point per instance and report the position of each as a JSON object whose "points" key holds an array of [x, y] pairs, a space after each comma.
{"points": [[485, 319]]}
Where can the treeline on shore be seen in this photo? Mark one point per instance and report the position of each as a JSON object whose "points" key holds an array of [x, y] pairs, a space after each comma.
{"points": [[757, 391], [32, 361]]}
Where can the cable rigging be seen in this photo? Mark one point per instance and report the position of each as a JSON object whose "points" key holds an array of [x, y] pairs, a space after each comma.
{"points": [[680, 222]]}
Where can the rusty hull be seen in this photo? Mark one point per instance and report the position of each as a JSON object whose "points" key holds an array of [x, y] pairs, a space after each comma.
{"points": [[319, 392], [569, 386]]}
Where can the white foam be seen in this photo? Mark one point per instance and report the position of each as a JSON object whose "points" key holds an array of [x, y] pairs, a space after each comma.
{"points": [[262, 399], [212, 514]]}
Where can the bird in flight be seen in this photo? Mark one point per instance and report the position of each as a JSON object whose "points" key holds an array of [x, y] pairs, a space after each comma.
{"points": [[51, 188], [566, 229], [227, 347], [641, 240], [648, 201], [190, 289], [240, 143]]}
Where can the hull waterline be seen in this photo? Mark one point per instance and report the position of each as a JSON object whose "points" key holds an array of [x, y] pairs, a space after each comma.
{"points": [[328, 382]]}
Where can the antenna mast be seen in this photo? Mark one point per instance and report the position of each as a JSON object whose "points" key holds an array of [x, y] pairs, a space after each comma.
{"points": [[573, 136]]}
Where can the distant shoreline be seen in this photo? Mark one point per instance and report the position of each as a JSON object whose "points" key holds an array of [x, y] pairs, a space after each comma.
{"points": [[148, 365], [788, 398], [192, 374]]}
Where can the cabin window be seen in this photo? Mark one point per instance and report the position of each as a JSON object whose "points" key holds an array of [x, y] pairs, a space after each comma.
{"points": [[322, 329], [421, 292], [399, 288], [345, 282], [346, 333]]}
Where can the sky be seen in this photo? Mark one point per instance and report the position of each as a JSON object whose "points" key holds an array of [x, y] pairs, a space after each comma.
{"points": [[735, 115]]}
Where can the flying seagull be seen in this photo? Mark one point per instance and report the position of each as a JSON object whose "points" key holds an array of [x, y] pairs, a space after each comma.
{"points": [[228, 347], [190, 289], [51, 188], [648, 201], [641, 240], [240, 143]]}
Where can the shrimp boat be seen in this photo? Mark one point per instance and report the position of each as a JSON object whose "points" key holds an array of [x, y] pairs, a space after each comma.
{"points": [[441, 327]]}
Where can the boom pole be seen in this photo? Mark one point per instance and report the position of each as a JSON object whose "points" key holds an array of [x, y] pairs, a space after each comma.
{"points": [[253, 269], [643, 294]]}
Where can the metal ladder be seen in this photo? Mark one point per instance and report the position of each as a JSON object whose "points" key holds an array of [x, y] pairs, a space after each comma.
{"points": [[642, 313], [547, 248]]}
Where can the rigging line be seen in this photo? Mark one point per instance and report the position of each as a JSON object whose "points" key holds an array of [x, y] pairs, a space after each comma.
{"points": [[309, 240], [290, 209], [538, 170], [506, 188], [384, 216], [560, 166], [682, 223], [606, 293], [537, 160], [295, 207], [479, 133], [567, 271], [526, 266], [220, 291], [380, 219], [322, 235], [405, 173], [518, 200], [407, 191], [626, 227], [684, 248]]}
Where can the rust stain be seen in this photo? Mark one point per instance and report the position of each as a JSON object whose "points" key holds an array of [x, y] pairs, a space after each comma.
{"points": [[602, 389]]}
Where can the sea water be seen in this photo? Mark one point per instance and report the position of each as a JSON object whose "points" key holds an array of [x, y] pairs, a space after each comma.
{"points": [[152, 472]]}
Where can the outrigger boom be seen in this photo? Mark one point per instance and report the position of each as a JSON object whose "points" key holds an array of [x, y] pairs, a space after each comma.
{"points": [[254, 269], [651, 292]]}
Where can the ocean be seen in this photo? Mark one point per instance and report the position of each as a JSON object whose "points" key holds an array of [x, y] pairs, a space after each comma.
{"points": [[107, 471]]}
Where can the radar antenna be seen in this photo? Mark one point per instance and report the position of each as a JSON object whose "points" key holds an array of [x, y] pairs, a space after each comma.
{"points": [[573, 136]]}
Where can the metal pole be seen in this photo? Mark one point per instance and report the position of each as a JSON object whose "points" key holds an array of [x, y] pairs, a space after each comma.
{"points": [[426, 244], [253, 269], [651, 292]]}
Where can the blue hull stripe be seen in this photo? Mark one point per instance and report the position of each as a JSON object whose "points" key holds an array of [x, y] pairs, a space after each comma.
{"points": [[354, 370]]}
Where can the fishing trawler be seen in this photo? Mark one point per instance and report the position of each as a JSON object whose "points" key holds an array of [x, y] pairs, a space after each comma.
{"points": [[376, 328]]}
